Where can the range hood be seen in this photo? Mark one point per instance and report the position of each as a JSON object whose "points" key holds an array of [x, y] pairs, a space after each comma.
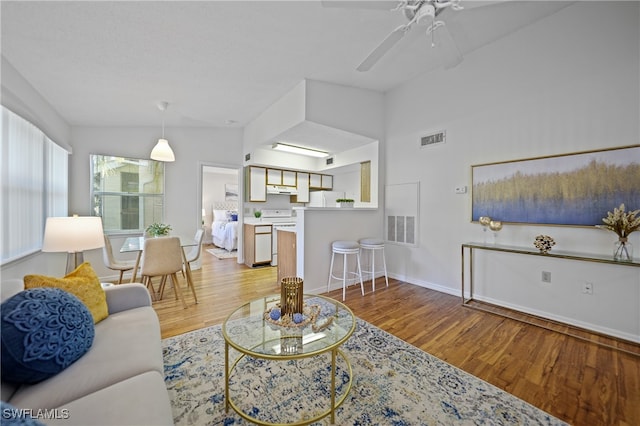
{"points": [[277, 189]]}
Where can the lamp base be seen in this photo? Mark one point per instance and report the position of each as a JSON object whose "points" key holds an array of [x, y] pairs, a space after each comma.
{"points": [[73, 261]]}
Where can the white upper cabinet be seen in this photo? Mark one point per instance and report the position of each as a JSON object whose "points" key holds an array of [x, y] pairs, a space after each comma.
{"points": [[288, 178], [274, 177]]}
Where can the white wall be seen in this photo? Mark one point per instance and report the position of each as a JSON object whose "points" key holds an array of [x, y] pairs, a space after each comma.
{"points": [[191, 146], [568, 83]]}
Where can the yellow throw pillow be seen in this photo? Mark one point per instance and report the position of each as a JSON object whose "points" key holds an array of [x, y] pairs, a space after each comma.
{"points": [[82, 283]]}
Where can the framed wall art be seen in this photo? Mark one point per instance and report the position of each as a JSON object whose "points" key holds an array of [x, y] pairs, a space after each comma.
{"points": [[230, 192], [572, 189]]}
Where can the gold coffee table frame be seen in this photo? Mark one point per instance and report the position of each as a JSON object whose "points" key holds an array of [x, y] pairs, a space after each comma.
{"points": [[263, 341]]}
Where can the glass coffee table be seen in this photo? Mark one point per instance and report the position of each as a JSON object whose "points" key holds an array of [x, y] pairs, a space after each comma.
{"points": [[252, 332]]}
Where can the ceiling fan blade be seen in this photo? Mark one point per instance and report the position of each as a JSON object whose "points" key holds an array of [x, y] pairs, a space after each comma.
{"points": [[361, 4], [447, 48], [386, 45], [472, 4]]}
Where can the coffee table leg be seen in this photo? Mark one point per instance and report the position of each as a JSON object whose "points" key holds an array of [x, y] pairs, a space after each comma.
{"points": [[333, 385], [226, 377]]}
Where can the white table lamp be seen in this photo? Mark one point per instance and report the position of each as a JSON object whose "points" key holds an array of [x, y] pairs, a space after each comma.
{"points": [[74, 235]]}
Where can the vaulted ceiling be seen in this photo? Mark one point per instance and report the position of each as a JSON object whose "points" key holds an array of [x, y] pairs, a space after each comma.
{"points": [[110, 63]]}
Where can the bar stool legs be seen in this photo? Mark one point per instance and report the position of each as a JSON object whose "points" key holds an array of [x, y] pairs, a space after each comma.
{"points": [[345, 248], [374, 244]]}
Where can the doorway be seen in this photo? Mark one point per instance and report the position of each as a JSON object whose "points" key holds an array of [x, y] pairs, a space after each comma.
{"points": [[220, 190]]}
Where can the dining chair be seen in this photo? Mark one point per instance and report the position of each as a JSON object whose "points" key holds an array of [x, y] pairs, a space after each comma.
{"points": [[162, 257], [189, 258], [112, 263]]}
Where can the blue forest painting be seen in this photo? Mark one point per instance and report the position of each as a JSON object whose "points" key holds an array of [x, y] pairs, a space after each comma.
{"points": [[573, 189]]}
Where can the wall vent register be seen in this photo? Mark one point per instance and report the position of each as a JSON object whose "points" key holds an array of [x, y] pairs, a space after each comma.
{"points": [[436, 138]]}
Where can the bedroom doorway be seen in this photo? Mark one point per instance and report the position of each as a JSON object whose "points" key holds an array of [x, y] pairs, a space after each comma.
{"points": [[220, 200]]}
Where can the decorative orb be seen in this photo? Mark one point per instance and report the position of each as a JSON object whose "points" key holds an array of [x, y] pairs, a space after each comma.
{"points": [[485, 220], [275, 314], [298, 318], [495, 225]]}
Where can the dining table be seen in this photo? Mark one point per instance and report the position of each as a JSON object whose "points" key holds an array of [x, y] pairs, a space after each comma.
{"points": [[136, 244]]}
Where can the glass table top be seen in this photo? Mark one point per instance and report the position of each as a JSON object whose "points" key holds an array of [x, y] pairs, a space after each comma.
{"points": [[132, 244], [249, 330]]}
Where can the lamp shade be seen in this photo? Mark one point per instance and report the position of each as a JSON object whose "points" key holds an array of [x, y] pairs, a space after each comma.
{"points": [[73, 234], [162, 151]]}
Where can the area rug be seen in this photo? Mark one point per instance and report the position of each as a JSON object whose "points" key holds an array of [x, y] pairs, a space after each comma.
{"points": [[221, 253], [394, 383]]}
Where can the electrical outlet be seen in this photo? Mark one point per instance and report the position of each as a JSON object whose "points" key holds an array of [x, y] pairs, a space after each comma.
{"points": [[546, 277], [587, 288], [461, 189]]}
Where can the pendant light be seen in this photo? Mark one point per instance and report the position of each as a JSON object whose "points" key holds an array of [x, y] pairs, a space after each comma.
{"points": [[162, 151]]}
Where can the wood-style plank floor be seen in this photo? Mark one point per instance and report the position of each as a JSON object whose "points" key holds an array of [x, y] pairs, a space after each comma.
{"points": [[578, 381]]}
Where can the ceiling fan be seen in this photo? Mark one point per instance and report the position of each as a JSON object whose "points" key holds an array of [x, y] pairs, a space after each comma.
{"points": [[424, 13], [419, 12]]}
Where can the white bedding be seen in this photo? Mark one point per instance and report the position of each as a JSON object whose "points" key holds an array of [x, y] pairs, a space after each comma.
{"points": [[225, 234]]}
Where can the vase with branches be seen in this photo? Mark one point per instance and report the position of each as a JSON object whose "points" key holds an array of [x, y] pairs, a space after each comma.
{"points": [[622, 223]]}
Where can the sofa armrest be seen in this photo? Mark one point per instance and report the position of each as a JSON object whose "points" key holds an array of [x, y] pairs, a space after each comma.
{"points": [[122, 297]]}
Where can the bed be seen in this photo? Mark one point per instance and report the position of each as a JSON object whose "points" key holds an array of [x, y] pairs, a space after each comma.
{"points": [[224, 229]]}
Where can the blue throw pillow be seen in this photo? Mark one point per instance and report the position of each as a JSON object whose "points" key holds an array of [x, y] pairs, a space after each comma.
{"points": [[44, 330]]}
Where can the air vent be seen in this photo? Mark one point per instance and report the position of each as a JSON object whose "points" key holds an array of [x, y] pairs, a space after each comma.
{"points": [[329, 161], [247, 157], [401, 229], [433, 139]]}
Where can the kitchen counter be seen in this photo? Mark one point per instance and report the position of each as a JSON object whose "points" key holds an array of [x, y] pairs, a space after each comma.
{"points": [[335, 208], [318, 227]]}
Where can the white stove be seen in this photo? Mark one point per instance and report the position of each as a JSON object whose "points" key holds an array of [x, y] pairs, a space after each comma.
{"points": [[279, 219], [282, 217]]}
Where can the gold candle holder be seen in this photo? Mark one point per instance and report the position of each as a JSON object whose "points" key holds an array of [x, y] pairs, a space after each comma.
{"points": [[291, 296]]}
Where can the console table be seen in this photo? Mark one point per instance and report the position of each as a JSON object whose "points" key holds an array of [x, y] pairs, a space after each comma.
{"points": [[558, 254]]}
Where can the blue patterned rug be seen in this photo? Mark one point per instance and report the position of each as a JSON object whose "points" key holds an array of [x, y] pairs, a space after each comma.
{"points": [[394, 383]]}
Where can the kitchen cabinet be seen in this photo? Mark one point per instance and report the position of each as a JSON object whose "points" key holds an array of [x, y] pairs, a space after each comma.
{"points": [[286, 254], [274, 177], [315, 181], [318, 181], [289, 178], [302, 188], [256, 180], [257, 244], [326, 181]]}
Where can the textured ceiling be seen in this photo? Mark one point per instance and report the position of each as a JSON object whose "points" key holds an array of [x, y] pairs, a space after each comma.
{"points": [[110, 63]]}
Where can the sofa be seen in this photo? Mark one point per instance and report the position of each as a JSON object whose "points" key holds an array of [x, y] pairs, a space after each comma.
{"points": [[118, 381]]}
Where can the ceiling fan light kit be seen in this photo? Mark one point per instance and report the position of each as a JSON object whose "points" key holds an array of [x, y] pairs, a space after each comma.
{"points": [[162, 151]]}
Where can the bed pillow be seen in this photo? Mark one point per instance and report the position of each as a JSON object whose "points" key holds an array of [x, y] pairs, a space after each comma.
{"points": [[44, 330], [220, 216], [81, 282]]}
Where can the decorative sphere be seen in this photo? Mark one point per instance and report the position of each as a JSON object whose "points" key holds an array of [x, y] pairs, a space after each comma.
{"points": [[297, 318], [495, 225], [275, 314], [484, 220]]}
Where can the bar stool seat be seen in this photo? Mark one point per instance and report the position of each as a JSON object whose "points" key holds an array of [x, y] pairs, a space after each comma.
{"points": [[374, 245], [345, 248]]}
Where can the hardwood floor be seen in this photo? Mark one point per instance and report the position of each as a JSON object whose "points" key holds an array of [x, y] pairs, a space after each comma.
{"points": [[578, 381]]}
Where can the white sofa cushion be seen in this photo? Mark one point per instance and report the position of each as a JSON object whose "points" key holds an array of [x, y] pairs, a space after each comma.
{"points": [[126, 344], [140, 400]]}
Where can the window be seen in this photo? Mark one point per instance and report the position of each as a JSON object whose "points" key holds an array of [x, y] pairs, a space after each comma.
{"points": [[34, 185], [127, 193]]}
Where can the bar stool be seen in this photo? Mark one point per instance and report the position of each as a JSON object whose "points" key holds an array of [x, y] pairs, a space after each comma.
{"points": [[345, 248], [374, 244]]}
